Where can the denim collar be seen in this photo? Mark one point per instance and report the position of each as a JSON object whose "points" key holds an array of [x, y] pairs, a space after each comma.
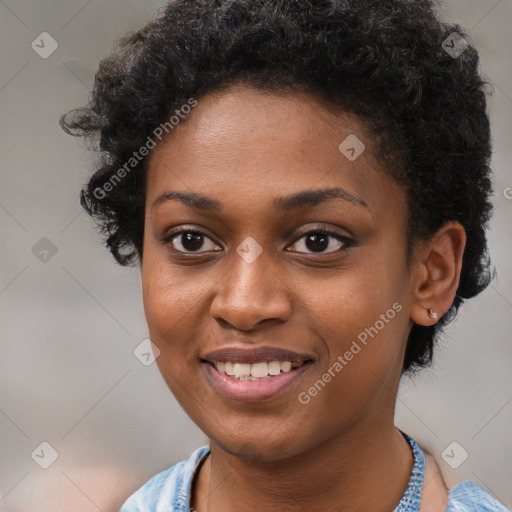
{"points": [[411, 499]]}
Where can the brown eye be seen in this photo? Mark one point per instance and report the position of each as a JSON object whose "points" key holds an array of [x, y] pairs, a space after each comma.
{"points": [[320, 241], [191, 241]]}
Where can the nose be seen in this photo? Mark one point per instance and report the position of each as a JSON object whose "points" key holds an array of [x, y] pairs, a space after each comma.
{"points": [[251, 295]]}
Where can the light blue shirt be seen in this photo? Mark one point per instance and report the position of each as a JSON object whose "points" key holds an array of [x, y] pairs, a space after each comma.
{"points": [[170, 490]]}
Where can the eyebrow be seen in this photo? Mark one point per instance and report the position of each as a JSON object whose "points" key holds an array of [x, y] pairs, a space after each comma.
{"points": [[303, 199]]}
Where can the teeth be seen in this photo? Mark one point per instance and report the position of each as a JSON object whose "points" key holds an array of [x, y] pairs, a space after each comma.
{"points": [[255, 371], [259, 370], [274, 368], [242, 370], [286, 366], [228, 368]]}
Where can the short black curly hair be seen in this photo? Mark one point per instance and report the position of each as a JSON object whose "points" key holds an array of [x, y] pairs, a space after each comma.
{"points": [[388, 62]]}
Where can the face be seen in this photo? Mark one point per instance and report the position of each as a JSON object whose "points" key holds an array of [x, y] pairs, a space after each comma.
{"points": [[278, 249]]}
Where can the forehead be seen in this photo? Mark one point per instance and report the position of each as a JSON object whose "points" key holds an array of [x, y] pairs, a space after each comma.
{"points": [[262, 143], [242, 114]]}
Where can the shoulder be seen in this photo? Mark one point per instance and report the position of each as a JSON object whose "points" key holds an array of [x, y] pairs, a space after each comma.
{"points": [[169, 487], [470, 497]]}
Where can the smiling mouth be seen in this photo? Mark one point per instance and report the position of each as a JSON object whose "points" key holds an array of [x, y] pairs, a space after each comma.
{"points": [[256, 374], [263, 370]]}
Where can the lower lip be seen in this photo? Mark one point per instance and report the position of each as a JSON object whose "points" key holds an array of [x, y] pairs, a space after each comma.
{"points": [[250, 391]]}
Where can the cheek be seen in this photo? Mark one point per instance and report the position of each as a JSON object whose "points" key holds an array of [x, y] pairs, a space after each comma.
{"points": [[345, 303], [172, 305], [361, 316], [358, 375], [171, 296]]}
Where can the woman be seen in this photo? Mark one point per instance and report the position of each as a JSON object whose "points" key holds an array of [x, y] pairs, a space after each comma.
{"points": [[305, 185]]}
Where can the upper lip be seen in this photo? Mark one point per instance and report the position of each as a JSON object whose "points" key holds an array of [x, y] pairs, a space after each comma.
{"points": [[255, 355]]}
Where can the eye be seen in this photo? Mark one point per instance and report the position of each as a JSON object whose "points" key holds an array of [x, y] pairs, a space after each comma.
{"points": [[190, 241], [321, 241]]}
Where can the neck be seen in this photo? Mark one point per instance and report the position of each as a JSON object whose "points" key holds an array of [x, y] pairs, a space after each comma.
{"points": [[360, 470]]}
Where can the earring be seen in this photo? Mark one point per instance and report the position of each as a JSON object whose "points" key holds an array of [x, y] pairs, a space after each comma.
{"points": [[431, 313]]}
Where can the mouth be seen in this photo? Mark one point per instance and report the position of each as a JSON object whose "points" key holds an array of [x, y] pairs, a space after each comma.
{"points": [[254, 375], [255, 371]]}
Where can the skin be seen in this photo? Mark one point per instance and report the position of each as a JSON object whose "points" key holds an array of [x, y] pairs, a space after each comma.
{"points": [[245, 148]]}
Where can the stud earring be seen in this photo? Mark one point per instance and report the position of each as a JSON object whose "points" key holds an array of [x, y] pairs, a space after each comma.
{"points": [[431, 313]]}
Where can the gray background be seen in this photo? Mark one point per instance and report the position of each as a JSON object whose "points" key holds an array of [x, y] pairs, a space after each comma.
{"points": [[68, 326]]}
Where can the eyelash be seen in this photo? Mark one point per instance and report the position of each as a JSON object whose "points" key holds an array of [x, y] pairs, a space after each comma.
{"points": [[347, 242]]}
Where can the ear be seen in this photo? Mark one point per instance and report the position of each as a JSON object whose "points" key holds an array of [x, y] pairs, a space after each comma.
{"points": [[437, 264]]}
